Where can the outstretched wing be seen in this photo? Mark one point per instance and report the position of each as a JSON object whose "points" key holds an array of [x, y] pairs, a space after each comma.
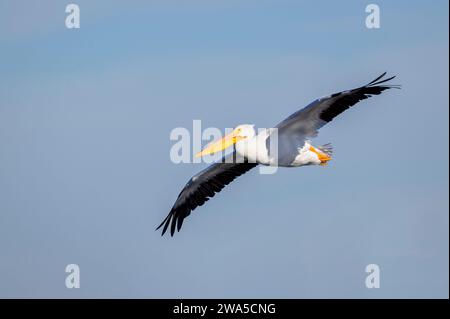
{"points": [[201, 187], [305, 123]]}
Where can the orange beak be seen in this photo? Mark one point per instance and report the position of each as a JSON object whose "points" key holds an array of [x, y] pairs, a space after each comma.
{"points": [[220, 145]]}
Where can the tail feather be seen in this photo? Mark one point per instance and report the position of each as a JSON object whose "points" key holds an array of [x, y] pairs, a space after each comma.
{"points": [[326, 148]]}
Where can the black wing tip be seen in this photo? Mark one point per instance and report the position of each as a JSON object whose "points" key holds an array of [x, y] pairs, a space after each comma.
{"points": [[379, 80], [174, 220], [166, 223], [183, 207]]}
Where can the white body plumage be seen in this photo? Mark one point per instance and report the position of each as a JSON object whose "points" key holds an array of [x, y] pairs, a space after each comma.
{"points": [[254, 148]]}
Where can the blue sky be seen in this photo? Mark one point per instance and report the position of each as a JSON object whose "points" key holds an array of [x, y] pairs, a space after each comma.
{"points": [[85, 172]]}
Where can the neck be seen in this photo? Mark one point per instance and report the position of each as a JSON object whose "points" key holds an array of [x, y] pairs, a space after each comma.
{"points": [[254, 149]]}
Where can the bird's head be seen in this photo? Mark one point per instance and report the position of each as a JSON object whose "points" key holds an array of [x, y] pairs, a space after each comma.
{"points": [[240, 133]]}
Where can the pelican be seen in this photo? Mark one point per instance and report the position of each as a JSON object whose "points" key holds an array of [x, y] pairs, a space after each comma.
{"points": [[294, 148]]}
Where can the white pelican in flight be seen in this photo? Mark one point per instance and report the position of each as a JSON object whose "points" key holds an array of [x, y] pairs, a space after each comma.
{"points": [[251, 149]]}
